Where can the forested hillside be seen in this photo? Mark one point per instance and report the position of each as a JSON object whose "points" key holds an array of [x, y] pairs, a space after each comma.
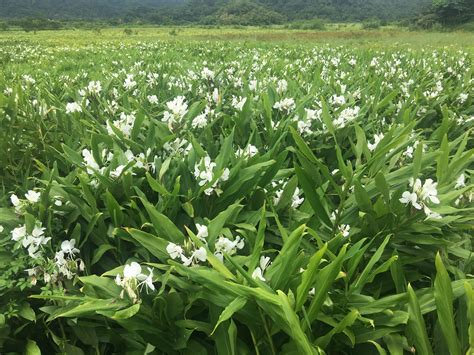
{"points": [[214, 11]]}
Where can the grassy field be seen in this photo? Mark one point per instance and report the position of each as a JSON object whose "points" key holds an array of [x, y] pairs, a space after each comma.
{"points": [[236, 191], [351, 35]]}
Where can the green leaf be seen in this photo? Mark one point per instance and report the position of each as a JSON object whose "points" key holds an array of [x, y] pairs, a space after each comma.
{"points": [[27, 312], [282, 269], [229, 311], [73, 156], [326, 116], [362, 197], [114, 209], [416, 328], [100, 251], [215, 226], [347, 321], [259, 241], [32, 348], [417, 159], [127, 312], [366, 273], [293, 322], [443, 160], [156, 186], [225, 152], [308, 277], [470, 313], [443, 293], [155, 245], [309, 188], [324, 280], [164, 227], [287, 194]]}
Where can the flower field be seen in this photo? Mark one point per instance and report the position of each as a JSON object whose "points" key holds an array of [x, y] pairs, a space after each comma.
{"points": [[223, 198]]}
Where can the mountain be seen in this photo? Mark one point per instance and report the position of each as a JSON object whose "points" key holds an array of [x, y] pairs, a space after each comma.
{"points": [[78, 9], [213, 11]]}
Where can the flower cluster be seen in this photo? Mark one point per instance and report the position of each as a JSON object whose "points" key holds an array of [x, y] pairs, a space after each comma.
{"points": [[197, 255], [346, 116], [177, 108], [133, 280], [421, 194], [205, 173], [223, 245], [124, 124], [296, 200], [31, 240], [285, 105], [67, 264], [247, 152], [72, 107], [32, 197], [259, 271]]}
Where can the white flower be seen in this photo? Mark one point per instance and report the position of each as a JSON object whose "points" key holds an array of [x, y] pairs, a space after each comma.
{"points": [[129, 83], [215, 95], [177, 109], [1, 229], [124, 124], [409, 152], [347, 115], [377, 139], [208, 74], [133, 279], [67, 247], [430, 214], [345, 230], [147, 280], [72, 107], [238, 103], [152, 99], [258, 274], [253, 85], [248, 152], [117, 171], [202, 231], [286, 104], [18, 233], [33, 196], [296, 200], [225, 175], [260, 270], [174, 250], [410, 197], [131, 271], [422, 193], [204, 174], [199, 121], [15, 200], [89, 161], [227, 246], [463, 97], [460, 182], [429, 191], [338, 100], [282, 86], [200, 254]]}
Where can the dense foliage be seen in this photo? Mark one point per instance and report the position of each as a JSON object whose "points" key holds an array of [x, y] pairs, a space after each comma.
{"points": [[214, 11], [217, 198], [453, 12]]}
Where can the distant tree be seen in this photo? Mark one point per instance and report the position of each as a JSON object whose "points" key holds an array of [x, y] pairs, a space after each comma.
{"points": [[452, 12]]}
